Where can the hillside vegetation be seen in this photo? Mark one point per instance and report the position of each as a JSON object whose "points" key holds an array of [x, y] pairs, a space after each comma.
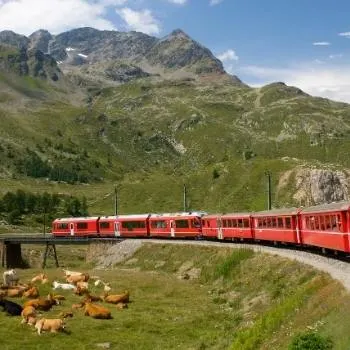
{"points": [[210, 299], [150, 133]]}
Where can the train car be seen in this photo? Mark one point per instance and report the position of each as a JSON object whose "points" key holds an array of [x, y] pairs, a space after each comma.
{"points": [[236, 226], [211, 226], [79, 227], [185, 225], [227, 226], [279, 225], [135, 225], [326, 226]]}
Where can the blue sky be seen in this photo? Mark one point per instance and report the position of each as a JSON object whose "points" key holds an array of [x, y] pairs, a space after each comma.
{"points": [[301, 42]]}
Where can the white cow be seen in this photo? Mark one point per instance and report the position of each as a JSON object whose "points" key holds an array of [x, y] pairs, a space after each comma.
{"points": [[66, 286], [10, 277]]}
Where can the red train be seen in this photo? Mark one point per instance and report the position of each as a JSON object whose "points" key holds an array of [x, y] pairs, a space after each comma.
{"points": [[326, 226]]}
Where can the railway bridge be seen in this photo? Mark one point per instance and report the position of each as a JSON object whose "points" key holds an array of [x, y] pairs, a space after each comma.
{"points": [[11, 251]]}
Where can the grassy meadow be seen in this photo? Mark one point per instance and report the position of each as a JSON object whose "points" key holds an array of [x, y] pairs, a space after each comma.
{"points": [[191, 298]]}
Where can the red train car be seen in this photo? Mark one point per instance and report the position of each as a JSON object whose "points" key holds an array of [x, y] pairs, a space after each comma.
{"points": [[237, 226], [175, 225], [280, 225], [80, 227], [326, 226], [227, 226], [211, 227], [125, 225]]}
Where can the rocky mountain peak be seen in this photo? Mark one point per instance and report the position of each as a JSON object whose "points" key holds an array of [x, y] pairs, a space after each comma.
{"points": [[39, 40], [11, 38], [178, 34]]}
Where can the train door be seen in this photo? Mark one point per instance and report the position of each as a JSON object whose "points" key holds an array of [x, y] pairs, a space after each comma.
{"points": [[172, 228], [117, 229], [219, 225], [71, 227]]}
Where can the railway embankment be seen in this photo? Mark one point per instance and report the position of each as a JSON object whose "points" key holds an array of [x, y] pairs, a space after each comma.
{"points": [[108, 256]]}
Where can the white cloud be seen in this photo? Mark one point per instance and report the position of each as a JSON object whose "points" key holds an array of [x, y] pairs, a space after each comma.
{"points": [[345, 34], [319, 80], [178, 2], [321, 43], [338, 55], [215, 2], [27, 16], [142, 21], [229, 55]]}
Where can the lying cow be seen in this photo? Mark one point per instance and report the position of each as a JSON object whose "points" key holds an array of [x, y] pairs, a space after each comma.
{"points": [[65, 286], [11, 308], [46, 324]]}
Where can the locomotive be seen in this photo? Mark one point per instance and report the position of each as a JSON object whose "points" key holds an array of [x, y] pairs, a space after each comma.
{"points": [[325, 226]]}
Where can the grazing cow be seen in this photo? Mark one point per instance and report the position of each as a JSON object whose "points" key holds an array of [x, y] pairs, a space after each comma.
{"points": [[31, 293], [65, 286], [77, 306], [116, 298], [42, 304], [28, 312], [14, 292], [40, 278], [84, 277], [58, 297], [46, 324], [65, 314], [92, 297], [121, 306], [71, 273], [10, 277], [11, 308], [96, 311]]}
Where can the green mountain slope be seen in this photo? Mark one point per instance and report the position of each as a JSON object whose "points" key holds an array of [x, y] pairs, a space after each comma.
{"points": [[152, 135]]}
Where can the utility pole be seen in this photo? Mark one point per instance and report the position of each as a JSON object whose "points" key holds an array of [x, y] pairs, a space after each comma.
{"points": [[115, 201], [185, 199], [44, 221], [269, 196]]}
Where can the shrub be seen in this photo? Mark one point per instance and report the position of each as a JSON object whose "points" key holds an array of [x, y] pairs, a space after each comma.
{"points": [[311, 341]]}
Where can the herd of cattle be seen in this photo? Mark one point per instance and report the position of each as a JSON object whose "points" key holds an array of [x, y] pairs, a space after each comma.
{"points": [[32, 308]]}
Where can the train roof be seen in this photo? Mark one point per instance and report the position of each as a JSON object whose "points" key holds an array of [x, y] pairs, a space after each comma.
{"points": [[177, 215], [125, 217], [74, 219], [337, 206], [277, 212], [227, 215]]}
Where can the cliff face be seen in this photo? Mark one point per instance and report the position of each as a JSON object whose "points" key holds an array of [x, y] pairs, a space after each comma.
{"points": [[317, 186]]}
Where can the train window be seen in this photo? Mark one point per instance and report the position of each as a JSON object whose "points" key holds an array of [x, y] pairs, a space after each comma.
{"points": [[288, 222], [82, 225], [182, 223], [195, 223], [158, 224], [312, 223], [130, 225], [307, 222], [280, 222], [225, 223], [63, 226], [322, 223], [245, 223], [104, 225], [240, 223], [273, 222], [317, 222]]}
